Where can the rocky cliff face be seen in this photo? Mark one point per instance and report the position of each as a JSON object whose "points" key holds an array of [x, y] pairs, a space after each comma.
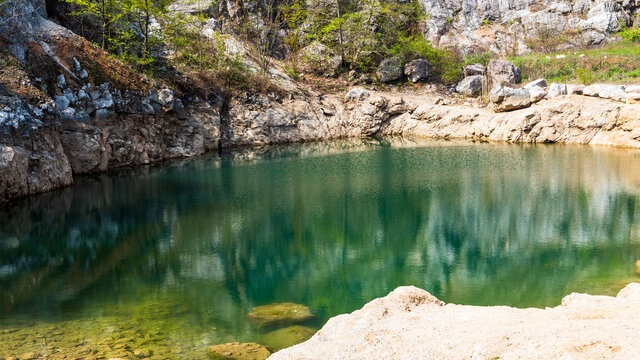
{"points": [[79, 111], [512, 27]]}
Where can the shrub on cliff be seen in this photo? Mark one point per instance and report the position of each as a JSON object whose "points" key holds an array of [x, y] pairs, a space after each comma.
{"points": [[129, 28]]}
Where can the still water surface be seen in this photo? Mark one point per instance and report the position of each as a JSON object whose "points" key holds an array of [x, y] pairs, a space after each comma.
{"points": [[170, 259]]}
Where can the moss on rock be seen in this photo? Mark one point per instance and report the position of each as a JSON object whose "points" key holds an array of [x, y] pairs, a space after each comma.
{"points": [[280, 314], [287, 337]]}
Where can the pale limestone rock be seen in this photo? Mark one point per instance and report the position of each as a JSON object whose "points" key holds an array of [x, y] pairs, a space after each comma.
{"points": [[536, 94], [503, 71], [506, 98], [471, 86], [541, 83], [573, 89], [409, 323], [557, 90], [474, 69], [356, 93]]}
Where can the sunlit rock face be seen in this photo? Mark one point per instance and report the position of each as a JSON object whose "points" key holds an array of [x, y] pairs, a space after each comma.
{"points": [[410, 323], [515, 27]]}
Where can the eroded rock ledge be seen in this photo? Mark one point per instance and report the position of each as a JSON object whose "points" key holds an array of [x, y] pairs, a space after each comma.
{"points": [[410, 323], [41, 150]]}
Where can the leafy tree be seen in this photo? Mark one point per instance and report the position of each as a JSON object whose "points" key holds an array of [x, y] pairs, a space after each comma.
{"points": [[108, 12], [141, 15]]}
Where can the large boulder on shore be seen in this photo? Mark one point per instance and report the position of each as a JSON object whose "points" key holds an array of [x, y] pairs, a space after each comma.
{"points": [[417, 70], [411, 324], [471, 86], [505, 98], [390, 69], [280, 314], [238, 351], [503, 71]]}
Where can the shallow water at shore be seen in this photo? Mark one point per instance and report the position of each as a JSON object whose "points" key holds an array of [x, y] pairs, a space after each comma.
{"points": [[164, 261]]}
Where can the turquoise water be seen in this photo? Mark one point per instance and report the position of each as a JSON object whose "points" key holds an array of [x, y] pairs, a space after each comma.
{"points": [[172, 258]]}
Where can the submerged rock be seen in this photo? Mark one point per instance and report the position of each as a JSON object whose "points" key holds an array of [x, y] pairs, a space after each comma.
{"points": [[279, 314], [238, 351], [289, 336]]}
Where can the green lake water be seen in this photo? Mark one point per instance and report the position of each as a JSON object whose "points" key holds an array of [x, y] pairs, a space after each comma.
{"points": [[169, 259]]}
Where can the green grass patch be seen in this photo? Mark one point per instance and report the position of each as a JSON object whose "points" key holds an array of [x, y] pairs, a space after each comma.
{"points": [[616, 63]]}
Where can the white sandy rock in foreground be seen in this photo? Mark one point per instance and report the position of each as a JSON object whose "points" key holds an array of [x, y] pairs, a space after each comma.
{"points": [[410, 323]]}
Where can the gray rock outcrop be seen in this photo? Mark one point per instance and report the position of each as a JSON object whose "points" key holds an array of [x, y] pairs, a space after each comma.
{"points": [[474, 69], [390, 69], [557, 90], [541, 83], [513, 26], [505, 98], [417, 70], [503, 71], [471, 86]]}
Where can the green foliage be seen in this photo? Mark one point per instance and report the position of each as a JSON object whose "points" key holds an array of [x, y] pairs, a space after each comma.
{"points": [[445, 62], [126, 26], [108, 12], [631, 34], [616, 63], [585, 75], [203, 57], [479, 58]]}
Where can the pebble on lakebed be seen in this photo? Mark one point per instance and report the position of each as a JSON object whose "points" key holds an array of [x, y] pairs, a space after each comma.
{"points": [[287, 337], [280, 314], [238, 351]]}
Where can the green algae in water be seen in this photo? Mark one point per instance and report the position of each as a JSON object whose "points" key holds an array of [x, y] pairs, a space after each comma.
{"points": [[163, 262]]}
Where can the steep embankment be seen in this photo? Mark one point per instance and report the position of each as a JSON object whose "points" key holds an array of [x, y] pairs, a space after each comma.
{"points": [[410, 323], [42, 157], [67, 108]]}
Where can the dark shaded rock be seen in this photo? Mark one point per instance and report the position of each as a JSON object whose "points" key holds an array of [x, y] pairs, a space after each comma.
{"points": [[417, 70], [390, 69], [474, 69]]}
